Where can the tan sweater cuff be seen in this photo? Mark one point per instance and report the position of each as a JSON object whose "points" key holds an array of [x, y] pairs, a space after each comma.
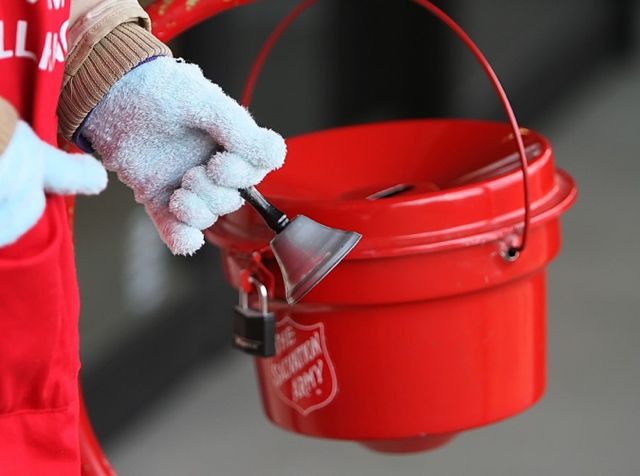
{"points": [[126, 46], [8, 123], [90, 28]]}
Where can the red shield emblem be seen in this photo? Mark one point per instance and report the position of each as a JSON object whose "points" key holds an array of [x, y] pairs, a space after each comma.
{"points": [[302, 371]]}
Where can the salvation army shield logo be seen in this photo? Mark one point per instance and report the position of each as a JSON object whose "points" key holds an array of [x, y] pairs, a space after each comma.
{"points": [[302, 372]]}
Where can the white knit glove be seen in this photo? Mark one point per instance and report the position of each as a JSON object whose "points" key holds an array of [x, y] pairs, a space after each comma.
{"points": [[30, 167], [182, 145]]}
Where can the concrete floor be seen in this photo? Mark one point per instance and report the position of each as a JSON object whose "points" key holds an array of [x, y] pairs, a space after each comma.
{"points": [[589, 421]]}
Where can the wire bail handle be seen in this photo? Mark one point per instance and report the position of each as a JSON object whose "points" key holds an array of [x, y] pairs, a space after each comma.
{"points": [[512, 252]]}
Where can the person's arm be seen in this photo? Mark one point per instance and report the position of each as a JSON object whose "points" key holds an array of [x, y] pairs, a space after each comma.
{"points": [[181, 144], [29, 168], [81, 7], [107, 39]]}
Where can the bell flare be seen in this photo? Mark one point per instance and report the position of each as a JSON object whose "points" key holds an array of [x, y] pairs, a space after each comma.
{"points": [[307, 252]]}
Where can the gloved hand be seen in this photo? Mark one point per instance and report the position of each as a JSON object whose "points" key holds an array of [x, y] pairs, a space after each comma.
{"points": [[182, 145], [30, 167]]}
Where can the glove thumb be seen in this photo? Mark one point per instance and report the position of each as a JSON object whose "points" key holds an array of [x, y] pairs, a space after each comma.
{"points": [[71, 174]]}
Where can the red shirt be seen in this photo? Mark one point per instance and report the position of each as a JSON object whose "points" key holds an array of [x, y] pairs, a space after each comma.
{"points": [[38, 292]]}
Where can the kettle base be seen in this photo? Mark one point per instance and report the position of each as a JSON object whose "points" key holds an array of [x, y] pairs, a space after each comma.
{"points": [[414, 444]]}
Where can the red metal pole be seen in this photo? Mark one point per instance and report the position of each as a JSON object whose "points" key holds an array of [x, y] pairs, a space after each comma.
{"points": [[94, 462]]}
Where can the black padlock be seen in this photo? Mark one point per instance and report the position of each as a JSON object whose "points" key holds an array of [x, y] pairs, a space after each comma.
{"points": [[254, 331]]}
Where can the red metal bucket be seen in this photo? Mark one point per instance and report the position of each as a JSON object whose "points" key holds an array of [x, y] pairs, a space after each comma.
{"points": [[429, 327], [425, 329]]}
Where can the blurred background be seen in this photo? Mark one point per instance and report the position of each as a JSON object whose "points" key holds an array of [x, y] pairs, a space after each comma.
{"points": [[166, 392]]}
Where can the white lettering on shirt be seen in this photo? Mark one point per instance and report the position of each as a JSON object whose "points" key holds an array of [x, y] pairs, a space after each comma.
{"points": [[21, 41], [51, 4], [52, 51], [4, 54], [55, 4]]}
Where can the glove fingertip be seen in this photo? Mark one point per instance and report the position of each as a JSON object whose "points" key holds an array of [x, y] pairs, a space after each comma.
{"points": [[185, 240], [191, 209], [275, 150], [69, 174], [96, 178], [229, 170], [263, 148], [180, 238]]}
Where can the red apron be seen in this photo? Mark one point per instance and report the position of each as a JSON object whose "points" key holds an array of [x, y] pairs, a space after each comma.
{"points": [[38, 292]]}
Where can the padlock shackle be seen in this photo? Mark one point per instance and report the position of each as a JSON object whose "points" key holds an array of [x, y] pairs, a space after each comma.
{"points": [[261, 291], [254, 331]]}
